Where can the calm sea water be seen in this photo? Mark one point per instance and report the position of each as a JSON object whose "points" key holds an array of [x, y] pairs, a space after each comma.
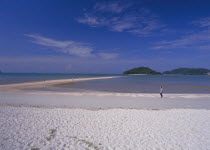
{"points": [[124, 84], [147, 84]]}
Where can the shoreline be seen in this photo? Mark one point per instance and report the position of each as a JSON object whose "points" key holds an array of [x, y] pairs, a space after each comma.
{"points": [[18, 94], [93, 109], [116, 94], [36, 84], [99, 100]]}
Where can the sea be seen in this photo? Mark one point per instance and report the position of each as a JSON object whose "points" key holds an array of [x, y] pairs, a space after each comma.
{"points": [[197, 84]]}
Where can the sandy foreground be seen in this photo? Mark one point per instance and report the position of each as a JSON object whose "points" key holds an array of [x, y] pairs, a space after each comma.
{"points": [[24, 128], [44, 120]]}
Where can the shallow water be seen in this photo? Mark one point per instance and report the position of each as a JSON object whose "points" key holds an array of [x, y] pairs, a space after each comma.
{"points": [[146, 84], [125, 84], [9, 78]]}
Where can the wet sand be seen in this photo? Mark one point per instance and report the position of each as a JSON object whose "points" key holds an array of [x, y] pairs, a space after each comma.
{"points": [[102, 100]]}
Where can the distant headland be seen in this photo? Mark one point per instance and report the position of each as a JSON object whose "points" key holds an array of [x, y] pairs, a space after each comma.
{"points": [[189, 71], [178, 71]]}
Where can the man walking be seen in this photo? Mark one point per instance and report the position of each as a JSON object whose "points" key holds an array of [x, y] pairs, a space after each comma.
{"points": [[161, 91]]}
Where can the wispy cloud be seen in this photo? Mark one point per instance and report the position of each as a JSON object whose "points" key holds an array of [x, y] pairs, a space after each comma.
{"points": [[194, 40], [122, 17], [108, 55], [113, 7], [203, 22], [69, 47], [92, 20]]}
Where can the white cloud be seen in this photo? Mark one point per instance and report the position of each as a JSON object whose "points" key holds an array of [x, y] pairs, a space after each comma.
{"points": [[91, 20], [120, 17], [114, 7], [199, 39], [108, 55], [69, 47], [203, 22], [126, 22]]}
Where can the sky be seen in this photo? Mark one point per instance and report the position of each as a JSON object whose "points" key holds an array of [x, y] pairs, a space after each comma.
{"points": [[102, 36]]}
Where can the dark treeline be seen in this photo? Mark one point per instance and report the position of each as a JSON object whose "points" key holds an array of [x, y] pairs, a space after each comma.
{"points": [[181, 71]]}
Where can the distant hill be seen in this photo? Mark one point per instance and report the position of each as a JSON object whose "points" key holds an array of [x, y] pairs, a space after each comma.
{"points": [[188, 71], [141, 70]]}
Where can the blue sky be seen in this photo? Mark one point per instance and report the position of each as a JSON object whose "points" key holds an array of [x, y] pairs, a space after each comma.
{"points": [[89, 36]]}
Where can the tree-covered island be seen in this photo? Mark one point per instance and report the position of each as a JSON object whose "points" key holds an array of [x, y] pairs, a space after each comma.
{"points": [[178, 71], [189, 71], [141, 70]]}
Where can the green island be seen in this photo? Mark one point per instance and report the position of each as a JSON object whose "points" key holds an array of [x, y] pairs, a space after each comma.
{"points": [[178, 71], [142, 70], [189, 71]]}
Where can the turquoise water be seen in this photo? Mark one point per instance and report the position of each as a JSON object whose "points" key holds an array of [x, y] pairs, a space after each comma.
{"points": [[125, 84]]}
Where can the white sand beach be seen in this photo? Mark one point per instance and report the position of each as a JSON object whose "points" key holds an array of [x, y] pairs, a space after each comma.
{"points": [[24, 128], [90, 120]]}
